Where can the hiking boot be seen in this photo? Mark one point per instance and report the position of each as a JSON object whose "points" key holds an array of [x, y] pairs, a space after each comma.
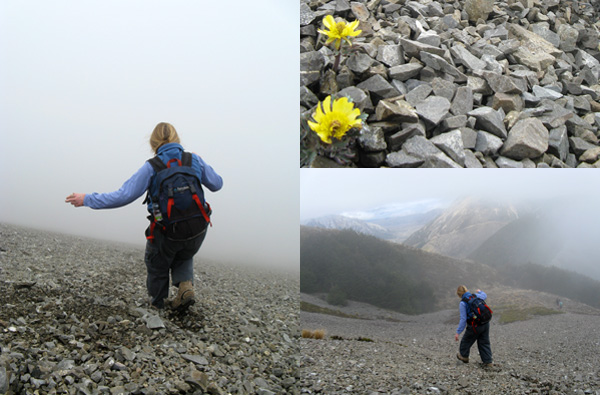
{"points": [[185, 296], [465, 360], [488, 365]]}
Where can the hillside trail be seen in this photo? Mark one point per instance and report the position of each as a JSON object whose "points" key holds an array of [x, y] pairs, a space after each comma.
{"points": [[75, 318], [401, 354]]}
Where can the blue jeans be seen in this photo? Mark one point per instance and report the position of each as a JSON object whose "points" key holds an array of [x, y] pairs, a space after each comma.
{"points": [[164, 257], [482, 337]]}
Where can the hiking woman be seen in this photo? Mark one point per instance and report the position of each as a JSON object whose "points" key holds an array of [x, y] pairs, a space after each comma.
{"points": [[479, 333], [165, 254]]}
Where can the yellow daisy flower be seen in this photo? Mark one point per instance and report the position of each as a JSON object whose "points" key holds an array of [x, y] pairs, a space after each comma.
{"points": [[339, 31], [334, 119]]}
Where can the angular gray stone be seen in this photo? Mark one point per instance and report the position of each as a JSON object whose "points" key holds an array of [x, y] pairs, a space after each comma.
{"points": [[478, 9], [378, 86], [311, 64], [438, 63], [430, 37], [440, 160], [568, 37], [469, 137], [406, 71], [360, 11], [502, 83], [413, 49], [403, 159], [452, 145], [443, 88], [489, 120], [527, 139], [154, 322], [420, 147], [360, 99], [306, 14], [359, 62], [471, 161], [545, 93], [396, 140], [418, 94], [579, 145], [463, 101], [467, 58], [390, 55], [3, 380], [433, 109], [507, 102], [197, 359], [453, 122], [507, 163], [372, 138], [558, 144], [487, 143], [395, 111], [543, 31]]}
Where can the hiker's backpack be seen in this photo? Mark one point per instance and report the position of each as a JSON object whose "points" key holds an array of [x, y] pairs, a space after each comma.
{"points": [[178, 206], [478, 312]]}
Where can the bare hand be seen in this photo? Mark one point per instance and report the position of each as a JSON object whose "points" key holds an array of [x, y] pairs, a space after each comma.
{"points": [[76, 199], [456, 336]]}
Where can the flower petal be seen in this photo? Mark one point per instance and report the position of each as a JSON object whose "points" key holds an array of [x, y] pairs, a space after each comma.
{"points": [[328, 21]]}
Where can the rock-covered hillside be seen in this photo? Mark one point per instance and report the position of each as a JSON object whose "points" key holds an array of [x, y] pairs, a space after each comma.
{"points": [[462, 83], [74, 318], [546, 354]]}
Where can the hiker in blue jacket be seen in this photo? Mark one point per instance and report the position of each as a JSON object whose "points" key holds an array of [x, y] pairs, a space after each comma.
{"points": [[163, 255], [479, 333]]}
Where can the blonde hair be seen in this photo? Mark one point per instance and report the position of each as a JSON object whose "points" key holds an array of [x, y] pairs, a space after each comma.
{"points": [[162, 134], [461, 290]]}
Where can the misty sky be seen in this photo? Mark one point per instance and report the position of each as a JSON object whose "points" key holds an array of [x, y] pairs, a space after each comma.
{"points": [[82, 85], [335, 191]]}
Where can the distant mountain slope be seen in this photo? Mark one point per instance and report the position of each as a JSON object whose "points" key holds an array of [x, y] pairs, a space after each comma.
{"points": [[395, 228], [462, 227], [342, 222], [382, 273], [403, 226]]}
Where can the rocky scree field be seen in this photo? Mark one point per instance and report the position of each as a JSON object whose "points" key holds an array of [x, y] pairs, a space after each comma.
{"points": [[461, 83], [75, 319], [537, 347]]}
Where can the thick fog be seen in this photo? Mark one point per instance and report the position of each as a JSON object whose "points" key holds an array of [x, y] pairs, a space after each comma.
{"points": [[82, 85]]}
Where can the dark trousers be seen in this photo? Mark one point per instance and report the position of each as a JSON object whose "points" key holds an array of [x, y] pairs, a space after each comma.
{"points": [[482, 336], [164, 257]]}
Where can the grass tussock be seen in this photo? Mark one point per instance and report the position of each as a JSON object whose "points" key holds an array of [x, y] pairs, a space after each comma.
{"points": [[513, 313], [318, 334]]}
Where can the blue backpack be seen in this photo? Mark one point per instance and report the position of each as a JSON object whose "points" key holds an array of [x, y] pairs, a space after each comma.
{"points": [[177, 200], [478, 312]]}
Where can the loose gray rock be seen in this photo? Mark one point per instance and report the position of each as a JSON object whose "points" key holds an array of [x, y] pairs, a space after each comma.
{"points": [[433, 109], [527, 139], [487, 143], [405, 71], [451, 144], [489, 120]]}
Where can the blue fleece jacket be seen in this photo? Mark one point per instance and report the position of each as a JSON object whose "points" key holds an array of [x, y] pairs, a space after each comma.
{"points": [[463, 311], [139, 183]]}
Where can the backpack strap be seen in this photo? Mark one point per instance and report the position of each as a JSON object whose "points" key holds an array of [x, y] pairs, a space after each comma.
{"points": [[158, 165]]}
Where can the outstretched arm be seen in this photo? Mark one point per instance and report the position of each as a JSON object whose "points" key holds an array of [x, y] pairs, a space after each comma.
{"points": [[131, 190]]}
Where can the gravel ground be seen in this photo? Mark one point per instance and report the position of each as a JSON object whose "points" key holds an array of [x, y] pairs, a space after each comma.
{"points": [[75, 319], [555, 354]]}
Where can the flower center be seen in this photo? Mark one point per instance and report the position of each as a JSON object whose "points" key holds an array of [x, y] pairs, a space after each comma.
{"points": [[335, 125], [340, 26]]}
